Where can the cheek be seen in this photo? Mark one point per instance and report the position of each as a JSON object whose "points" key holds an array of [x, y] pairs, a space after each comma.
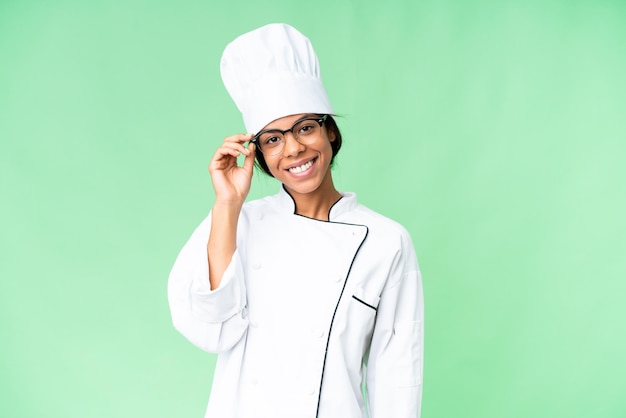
{"points": [[271, 167], [264, 166], [274, 172], [329, 148]]}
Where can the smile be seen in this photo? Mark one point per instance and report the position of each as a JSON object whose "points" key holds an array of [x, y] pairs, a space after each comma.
{"points": [[301, 168]]}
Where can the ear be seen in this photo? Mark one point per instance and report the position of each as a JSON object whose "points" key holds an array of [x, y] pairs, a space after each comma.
{"points": [[332, 135]]}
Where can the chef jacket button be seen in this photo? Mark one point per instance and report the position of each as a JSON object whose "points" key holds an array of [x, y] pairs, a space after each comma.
{"points": [[259, 216], [311, 391], [254, 324], [254, 381], [256, 266], [318, 333], [338, 278]]}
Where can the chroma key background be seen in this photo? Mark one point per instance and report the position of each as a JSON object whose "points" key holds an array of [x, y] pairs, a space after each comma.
{"points": [[493, 130]]}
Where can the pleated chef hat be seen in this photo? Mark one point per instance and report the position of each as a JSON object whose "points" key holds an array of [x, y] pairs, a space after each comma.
{"points": [[273, 72]]}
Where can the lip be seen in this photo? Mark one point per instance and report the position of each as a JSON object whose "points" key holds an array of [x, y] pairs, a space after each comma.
{"points": [[299, 163]]}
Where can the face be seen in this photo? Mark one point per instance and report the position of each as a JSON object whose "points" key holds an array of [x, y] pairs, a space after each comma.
{"points": [[302, 168]]}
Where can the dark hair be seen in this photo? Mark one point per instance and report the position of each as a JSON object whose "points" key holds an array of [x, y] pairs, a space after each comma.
{"points": [[331, 128]]}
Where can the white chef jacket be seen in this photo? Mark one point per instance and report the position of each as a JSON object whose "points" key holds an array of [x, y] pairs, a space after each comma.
{"points": [[306, 313]]}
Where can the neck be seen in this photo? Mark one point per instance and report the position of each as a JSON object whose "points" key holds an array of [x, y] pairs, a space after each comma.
{"points": [[317, 203]]}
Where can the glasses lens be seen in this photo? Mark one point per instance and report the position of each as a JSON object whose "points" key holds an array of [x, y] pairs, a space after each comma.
{"points": [[271, 142], [307, 130]]}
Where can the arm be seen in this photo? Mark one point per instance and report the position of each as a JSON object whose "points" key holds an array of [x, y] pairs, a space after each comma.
{"points": [[231, 184], [394, 368], [206, 287]]}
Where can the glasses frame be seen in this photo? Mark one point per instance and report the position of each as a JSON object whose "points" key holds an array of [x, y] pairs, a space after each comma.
{"points": [[255, 139]]}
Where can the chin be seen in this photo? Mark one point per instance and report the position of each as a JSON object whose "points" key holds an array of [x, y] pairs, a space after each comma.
{"points": [[301, 188]]}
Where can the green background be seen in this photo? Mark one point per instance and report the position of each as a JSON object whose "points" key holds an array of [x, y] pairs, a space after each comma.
{"points": [[493, 130]]}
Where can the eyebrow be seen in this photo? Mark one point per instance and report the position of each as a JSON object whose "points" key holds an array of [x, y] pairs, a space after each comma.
{"points": [[304, 116]]}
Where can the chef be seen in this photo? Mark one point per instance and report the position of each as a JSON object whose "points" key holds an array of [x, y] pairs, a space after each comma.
{"points": [[309, 298]]}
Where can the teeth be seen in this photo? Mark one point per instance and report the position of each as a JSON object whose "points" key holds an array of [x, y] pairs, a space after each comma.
{"points": [[302, 168]]}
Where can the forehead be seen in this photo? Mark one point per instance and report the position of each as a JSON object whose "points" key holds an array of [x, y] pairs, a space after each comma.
{"points": [[286, 122]]}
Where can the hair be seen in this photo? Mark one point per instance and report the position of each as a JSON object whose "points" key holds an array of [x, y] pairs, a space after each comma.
{"points": [[331, 128]]}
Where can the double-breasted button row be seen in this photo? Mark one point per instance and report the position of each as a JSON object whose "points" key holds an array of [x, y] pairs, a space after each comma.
{"points": [[358, 233], [310, 390], [257, 266], [317, 333]]}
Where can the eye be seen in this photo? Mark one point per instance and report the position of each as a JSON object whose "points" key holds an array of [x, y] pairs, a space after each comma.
{"points": [[270, 139], [307, 127]]}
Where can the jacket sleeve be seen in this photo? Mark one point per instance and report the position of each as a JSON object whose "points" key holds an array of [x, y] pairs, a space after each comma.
{"points": [[213, 320], [394, 366]]}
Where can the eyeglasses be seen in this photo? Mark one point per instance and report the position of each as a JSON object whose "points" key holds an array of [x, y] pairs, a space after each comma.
{"points": [[305, 131]]}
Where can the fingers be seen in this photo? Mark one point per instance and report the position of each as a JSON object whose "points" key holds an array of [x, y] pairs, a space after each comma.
{"points": [[249, 161], [234, 145], [238, 140], [231, 148]]}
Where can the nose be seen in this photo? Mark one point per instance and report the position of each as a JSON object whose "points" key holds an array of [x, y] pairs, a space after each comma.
{"points": [[292, 145]]}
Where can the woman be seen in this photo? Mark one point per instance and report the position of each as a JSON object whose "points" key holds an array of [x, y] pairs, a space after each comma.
{"points": [[306, 296]]}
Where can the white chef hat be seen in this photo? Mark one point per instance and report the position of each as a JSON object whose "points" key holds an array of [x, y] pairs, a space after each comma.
{"points": [[273, 72]]}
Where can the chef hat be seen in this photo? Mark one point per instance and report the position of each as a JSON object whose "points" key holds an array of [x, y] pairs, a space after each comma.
{"points": [[273, 72]]}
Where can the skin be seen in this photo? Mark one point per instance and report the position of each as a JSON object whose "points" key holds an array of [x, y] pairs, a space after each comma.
{"points": [[313, 190]]}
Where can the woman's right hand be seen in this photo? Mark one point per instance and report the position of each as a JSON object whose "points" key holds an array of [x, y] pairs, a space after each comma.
{"points": [[230, 181]]}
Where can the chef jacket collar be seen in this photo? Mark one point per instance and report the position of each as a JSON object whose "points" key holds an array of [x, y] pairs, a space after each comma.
{"points": [[345, 204]]}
